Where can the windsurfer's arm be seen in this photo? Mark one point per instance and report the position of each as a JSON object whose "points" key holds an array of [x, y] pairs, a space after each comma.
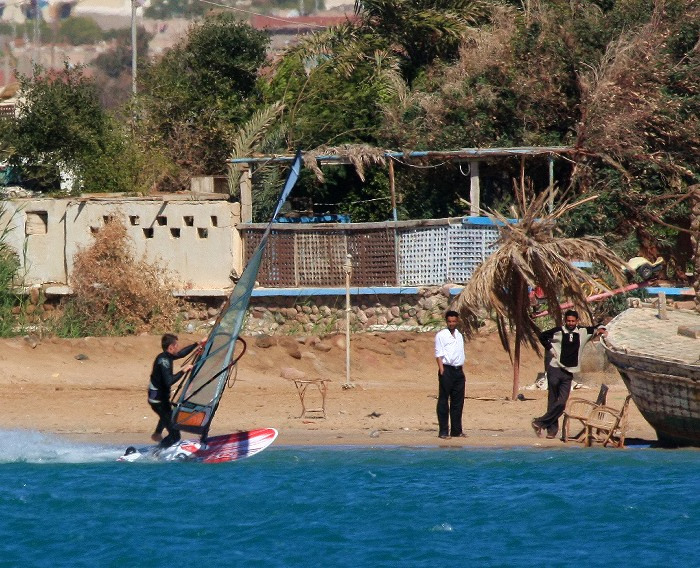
{"points": [[186, 351], [178, 376]]}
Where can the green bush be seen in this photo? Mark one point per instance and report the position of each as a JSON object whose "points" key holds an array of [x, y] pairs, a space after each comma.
{"points": [[9, 267], [80, 31]]}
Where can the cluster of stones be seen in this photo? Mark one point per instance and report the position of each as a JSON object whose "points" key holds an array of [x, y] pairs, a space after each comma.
{"points": [[327, 314], [36, 309]]}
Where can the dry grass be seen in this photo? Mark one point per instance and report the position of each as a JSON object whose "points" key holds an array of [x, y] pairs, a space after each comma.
{"points": [[115, 293]]}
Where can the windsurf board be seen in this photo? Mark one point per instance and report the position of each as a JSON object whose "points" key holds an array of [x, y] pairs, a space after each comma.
{"points": [[229, 447]]}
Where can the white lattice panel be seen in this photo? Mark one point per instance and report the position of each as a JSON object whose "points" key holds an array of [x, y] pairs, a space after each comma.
{"points": [[467, 247], [423, 256]]}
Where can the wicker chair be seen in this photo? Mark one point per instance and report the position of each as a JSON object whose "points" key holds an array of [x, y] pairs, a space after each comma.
{"points": [[580, 409], [608, 425]]}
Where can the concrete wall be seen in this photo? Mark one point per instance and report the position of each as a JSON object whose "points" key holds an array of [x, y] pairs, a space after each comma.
{"points": [[196, 241], [36, 231]]}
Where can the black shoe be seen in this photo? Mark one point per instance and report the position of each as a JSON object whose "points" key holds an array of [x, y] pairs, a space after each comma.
{"points": [[444, 436], [537, 428], [461, 435]]}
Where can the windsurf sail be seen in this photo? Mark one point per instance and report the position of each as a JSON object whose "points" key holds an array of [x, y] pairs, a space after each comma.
{"points": [[202, 389]]}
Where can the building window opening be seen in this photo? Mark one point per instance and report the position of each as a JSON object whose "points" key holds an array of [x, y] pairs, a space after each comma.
{"points": [[37, 223], [175, 233], [202, 233], [134, 220], [148, 232], [189, 220], [162, 220], [214, 221]]}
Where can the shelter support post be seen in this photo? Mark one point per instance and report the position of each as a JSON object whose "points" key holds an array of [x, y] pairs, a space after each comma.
{"points": [[392, 188], [348, 273], [474, 188], [246, 195]]}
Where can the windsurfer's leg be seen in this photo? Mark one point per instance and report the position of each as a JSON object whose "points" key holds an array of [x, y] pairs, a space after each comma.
{"points": [[157, 435], [164, 411]]}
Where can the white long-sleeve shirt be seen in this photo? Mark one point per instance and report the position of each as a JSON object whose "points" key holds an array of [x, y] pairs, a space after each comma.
{"points": [[450, 348]]}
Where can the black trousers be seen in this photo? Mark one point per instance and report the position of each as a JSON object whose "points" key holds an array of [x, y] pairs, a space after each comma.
{"points": [[450, 400], [559, 388], [164, 410]]}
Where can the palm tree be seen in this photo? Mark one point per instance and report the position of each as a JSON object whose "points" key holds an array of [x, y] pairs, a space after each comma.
{"points": [[420, 31], [531, 253]]}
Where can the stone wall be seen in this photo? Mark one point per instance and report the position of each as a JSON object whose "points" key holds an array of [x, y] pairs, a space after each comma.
{"points": [[318, 315]]}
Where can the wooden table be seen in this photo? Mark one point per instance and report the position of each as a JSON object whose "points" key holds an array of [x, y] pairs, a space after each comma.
{"points": [[321, 385]]}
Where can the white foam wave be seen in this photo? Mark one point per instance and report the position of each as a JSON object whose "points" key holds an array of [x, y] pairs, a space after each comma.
{"points": [[29, 446]]}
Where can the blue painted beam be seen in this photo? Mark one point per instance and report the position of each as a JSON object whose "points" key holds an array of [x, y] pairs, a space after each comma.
{"points": [[355, 291], [670, 290]]}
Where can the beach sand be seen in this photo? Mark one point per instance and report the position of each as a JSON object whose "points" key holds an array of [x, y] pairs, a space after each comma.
{"points": [[94, 389]]}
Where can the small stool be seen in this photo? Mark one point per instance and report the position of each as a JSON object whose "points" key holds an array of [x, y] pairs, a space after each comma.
{"points": [[302, 385]]}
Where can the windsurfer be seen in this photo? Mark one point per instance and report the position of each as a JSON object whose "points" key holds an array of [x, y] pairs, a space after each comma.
{"points": [[162, 378]]}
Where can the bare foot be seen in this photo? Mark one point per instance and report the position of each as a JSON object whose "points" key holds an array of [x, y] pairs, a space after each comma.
{"points": [[156, 437]]}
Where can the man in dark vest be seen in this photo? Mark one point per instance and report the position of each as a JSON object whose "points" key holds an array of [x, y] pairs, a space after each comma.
{"points": [[564, 347]]}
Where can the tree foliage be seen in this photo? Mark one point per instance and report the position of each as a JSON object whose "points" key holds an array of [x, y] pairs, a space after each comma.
{"points": [[618, 81], [80, 31], [61, 127], [200, 91]]}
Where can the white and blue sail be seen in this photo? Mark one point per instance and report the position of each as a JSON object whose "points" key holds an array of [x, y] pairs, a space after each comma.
{"points": [[202, 390]]}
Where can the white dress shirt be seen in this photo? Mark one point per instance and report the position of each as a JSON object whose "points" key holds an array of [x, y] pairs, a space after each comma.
{"points": [[450, 348]]}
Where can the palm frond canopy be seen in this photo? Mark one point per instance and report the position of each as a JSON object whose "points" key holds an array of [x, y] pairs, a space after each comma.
{"points": [[532, 253], [359, 155]]}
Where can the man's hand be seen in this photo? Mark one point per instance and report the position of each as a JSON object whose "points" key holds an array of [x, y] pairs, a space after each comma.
{"points": [[601, 331], [187, 368]]}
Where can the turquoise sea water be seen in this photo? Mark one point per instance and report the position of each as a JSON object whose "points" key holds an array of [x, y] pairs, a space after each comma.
{"points": [[67, 504]]}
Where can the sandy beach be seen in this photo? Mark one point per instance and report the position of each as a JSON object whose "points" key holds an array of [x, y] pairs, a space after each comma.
{"points": [[95, 389]]}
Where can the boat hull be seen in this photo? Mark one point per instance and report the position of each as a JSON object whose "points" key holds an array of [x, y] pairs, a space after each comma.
{"points": [[667, 394]]}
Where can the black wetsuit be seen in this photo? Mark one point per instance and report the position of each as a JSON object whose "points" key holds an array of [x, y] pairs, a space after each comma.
{"points": [[162, 378]]}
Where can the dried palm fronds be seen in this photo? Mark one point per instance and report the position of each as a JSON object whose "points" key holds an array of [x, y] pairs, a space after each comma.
{"points": [[531, 253], [359, 155]]}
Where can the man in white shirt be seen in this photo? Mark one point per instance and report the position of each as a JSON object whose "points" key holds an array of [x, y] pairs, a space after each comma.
{"points": [[449, 353]]}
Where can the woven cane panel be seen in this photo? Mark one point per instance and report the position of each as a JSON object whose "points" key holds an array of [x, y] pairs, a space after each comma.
{"points": [[467, 247], [373, 257], [277, 265], [423, 256], [319, 258], [278, 261]]}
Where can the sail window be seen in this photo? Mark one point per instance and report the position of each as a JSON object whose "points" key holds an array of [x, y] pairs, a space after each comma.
{"points": [[37, 223]]}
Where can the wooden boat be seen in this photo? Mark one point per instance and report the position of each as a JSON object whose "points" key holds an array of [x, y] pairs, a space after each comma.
{"points": [[659, 361]]}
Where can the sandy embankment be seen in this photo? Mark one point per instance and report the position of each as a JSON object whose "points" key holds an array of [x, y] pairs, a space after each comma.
{"points": [[102, 396]]}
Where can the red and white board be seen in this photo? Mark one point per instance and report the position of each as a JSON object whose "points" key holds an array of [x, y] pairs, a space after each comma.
{"points": [[229, 447]]}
